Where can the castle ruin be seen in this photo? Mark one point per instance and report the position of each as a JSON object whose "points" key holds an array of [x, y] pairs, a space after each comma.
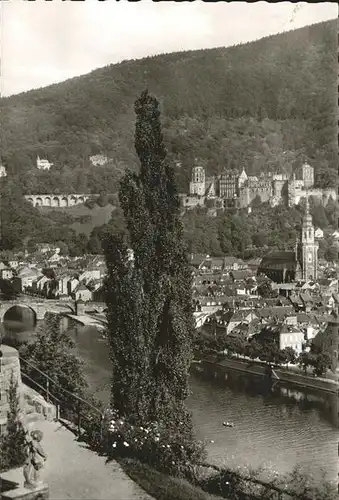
{"points": [[239, 190]]}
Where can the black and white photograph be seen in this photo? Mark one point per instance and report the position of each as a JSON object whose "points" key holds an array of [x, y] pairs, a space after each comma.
{"points": [[169, 250]]}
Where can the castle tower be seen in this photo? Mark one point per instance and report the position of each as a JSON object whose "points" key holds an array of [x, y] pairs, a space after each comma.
{"points": [[198, 182], [309, 247], [242, 178], [307, 175]]}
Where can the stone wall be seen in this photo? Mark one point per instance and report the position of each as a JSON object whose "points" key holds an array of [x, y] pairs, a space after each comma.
{"points": [[32, 404], [9, 363], [218, 369]]}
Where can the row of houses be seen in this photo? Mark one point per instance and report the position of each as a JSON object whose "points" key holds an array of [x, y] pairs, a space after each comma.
{"points": [[289, 326], [228, 298], [84, 281]]}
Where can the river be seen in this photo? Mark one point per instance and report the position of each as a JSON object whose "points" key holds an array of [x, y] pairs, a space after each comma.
{"points": [[274, 426]]}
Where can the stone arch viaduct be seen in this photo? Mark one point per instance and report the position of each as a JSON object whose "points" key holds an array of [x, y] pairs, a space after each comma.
{"points": [[58, 200]]}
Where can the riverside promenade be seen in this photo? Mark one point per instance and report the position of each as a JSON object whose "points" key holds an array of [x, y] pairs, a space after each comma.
{"points": [[291, 374], [72, 471]]}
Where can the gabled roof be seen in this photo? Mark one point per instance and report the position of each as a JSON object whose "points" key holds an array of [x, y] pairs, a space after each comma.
{"points": [[197, 260], [229, 261], [81, 287], [279, 261], [242, 274], [277, 311]]}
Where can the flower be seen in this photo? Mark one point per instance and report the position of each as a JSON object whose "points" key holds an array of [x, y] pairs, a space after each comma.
{"points": [[156, 438], [141, 428], [114, 445], [126, 444]]}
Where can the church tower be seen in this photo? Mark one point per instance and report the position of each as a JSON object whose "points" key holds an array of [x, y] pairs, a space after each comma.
{"points": [[309, 247]]}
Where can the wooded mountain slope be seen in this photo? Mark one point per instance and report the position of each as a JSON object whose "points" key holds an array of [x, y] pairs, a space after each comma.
{"points": [[261, 105]]}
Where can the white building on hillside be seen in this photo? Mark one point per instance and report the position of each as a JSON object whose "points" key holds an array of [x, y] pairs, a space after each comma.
{"points": [[319, 233], [43, 164], [3, 172]]}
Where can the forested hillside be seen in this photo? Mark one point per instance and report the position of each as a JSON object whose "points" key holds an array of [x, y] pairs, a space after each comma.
{"points": [[262, 105]]}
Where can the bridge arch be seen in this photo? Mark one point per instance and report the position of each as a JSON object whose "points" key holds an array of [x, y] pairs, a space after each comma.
{"points": [[7, 308], [48, 201], [38, 202], [64, 201], [55, 202]]}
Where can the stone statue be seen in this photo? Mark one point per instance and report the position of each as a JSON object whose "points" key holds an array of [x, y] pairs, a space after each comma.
{"points": [[34, 461]]}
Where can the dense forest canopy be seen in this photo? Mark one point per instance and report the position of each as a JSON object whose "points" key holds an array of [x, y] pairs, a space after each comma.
{"points": [[262, 105]]}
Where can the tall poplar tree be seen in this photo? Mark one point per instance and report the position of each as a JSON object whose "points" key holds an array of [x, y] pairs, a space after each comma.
{"points": [[150, 318]]}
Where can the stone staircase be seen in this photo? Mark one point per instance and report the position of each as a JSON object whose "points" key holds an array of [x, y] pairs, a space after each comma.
{"points": [[35, 407]]}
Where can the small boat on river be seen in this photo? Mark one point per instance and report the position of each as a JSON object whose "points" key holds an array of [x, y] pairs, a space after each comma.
{"points": [[228, 424]]}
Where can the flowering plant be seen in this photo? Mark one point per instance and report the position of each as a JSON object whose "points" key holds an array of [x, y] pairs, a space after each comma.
{"points": [[170, 448]]}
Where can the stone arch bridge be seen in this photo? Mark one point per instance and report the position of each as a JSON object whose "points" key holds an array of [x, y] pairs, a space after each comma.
{"points": [[41, 307], [58, 200], [38, 307]]}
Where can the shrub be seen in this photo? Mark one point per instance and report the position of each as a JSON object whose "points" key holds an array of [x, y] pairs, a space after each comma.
{"points": [[90, 203], [168, 448], [13, 442]]}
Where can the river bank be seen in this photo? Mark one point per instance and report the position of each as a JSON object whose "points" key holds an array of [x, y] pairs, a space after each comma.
{"points": [[218, 368], [302, 424]]}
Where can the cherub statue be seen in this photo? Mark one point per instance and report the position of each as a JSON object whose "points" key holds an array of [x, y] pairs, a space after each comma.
{"points": [[34, 461]]}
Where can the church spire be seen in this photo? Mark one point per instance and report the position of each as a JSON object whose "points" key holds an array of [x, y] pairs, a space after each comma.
{"points": [[307, 219], [307, 208]]}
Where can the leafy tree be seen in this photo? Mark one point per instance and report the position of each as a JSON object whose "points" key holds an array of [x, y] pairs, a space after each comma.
{"points": [[12, 443], [102, 201], [151, 326], [289, 355], [270, 353], [305, 360], [7, 289], [63, 247], [322, 363], [331, 251], [235, 344], [253, 349], [319, 215], [94, 245], [52, 354], [265, 290]]}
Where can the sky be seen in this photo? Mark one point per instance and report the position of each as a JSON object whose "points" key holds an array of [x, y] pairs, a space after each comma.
{"points": [[47, 42]]}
